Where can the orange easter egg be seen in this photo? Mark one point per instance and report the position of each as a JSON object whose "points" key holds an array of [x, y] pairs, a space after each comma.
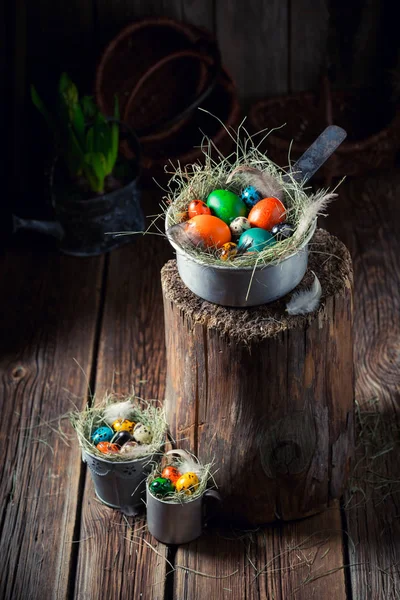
{"points": [[267, 213], [171, 473], [198, 207], [208, 230], [108, 448]]}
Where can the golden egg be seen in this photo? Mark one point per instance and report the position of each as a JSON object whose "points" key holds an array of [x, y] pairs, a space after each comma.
{"points": [[188, 482], [123, 425], [228, 251]]}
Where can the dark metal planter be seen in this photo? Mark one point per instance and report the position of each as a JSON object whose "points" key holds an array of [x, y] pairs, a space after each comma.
{"points": [[85, 227], [87, 224]]}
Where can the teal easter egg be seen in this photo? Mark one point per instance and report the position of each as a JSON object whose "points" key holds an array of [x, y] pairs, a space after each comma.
{"points": [[102, 434], [256, 239], [226, 205]]}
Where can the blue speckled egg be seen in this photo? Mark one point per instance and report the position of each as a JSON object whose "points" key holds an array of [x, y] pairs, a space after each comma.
{"points": [[250, 196], [102, 434], [256, 239]]}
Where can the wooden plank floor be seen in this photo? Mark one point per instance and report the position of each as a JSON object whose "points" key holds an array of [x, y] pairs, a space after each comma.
{"points": [[67, 322]]}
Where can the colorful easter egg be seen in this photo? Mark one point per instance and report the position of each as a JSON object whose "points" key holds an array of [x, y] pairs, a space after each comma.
{"points": [[226, 205], [130, 449], [102, 434], [282, 231], [198, 207], [228, 251], [267, 213], [256, 239], [171, 473], [107, 448], [208, 230], [250, 196], [160, 486], [121, 437], [129, 445], [188, 483], [142, 433], [239, 225], [123, 425]]}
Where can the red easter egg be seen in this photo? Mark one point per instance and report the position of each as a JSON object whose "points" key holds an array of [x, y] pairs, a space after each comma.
{"points": [[198, 207], [267, 213], [208, 230], [107, 448], [171, 473]]}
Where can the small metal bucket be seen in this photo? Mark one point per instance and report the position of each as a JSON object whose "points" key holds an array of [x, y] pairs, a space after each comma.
{"points": [[176, 522], [120, 485], [241, 286]]}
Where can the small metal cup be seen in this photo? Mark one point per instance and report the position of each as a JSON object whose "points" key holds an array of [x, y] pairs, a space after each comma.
{"points": [[176, 522], [120, 485]]}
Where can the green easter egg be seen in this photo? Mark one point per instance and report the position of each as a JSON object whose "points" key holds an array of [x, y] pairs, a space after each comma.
{"points": [[258, 238], [226, 205], [160, 486]]}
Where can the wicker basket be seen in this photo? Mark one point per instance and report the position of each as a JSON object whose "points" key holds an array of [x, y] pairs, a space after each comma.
{"points": [[184, 145], [160, 85], [144, 111], [157, 68], [137, 48], [306, 116]]}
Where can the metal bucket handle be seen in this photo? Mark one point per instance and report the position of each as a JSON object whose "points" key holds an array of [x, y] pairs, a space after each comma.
{"points": [[210, 508]]}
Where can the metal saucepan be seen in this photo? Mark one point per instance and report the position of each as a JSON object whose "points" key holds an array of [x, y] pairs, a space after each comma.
{"points": [[249, 286]]}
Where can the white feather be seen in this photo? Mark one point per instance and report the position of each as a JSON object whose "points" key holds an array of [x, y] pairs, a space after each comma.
{"points": [[139, 450], [120, 410], [265, 183], [302, 303], [188, 462], [317, 206]]}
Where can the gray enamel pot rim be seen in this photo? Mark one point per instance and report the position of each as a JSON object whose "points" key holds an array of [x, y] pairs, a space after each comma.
{"points": [[242, 286]]}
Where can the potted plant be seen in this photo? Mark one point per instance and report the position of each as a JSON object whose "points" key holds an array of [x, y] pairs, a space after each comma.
{"points": [[93, 186]]}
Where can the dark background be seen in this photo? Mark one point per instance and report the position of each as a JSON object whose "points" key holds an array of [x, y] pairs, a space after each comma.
{"points": [[269, 46]]}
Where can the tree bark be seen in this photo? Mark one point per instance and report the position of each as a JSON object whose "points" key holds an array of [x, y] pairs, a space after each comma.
{"points": [[266, 396]]}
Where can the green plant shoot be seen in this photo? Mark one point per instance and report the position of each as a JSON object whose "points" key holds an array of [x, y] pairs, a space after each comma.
{"points": [[84, 137]]}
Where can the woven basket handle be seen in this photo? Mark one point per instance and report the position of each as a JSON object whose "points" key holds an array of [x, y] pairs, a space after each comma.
{"points": [[206, 51]]}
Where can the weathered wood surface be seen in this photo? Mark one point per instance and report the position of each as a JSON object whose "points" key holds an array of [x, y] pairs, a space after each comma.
{"points": [[48, 320], [253, 391], [116, 560], [5, 74], [50, 299], [300, 560], [254, 45], [269, 47], [367, 218], [308, 44]]}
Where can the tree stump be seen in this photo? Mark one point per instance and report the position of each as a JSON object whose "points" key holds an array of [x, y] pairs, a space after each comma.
{"points": [[266, 396]]}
